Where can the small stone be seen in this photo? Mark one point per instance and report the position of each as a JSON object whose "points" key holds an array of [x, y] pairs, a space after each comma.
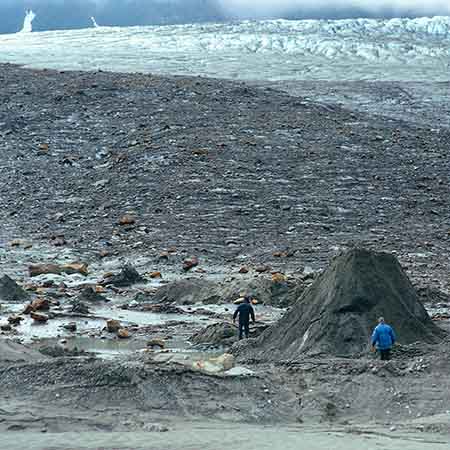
{"points": [[262, 269], [127, 219], [123, 333], [6, 327], [15, 320], [156, 343], [155, 275], [155, 428], [190, 263], [278, 277], [243, 270], [113, 325], [71, 326]]}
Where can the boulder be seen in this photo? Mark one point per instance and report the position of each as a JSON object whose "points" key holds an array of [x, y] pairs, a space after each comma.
{"points": [[78, 307], [39, 317], [11, 292], [113, 325], [127, 277], [215, 365], [337, 314]]}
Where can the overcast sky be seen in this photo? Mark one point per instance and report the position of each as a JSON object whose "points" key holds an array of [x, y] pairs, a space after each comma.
{"points": [[57, 14]]}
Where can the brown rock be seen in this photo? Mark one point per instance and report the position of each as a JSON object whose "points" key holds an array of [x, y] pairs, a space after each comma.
{"points": [[40, 304], [243, 270], [127, 220], [71, 268], [155, 275], [113, 326], [103, 253], [278, 277], [156, 343], [39, 317], [190, 263], [123, 333]]}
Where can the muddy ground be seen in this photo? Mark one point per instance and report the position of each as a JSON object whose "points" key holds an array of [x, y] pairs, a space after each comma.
{"points": [[250, 183]]}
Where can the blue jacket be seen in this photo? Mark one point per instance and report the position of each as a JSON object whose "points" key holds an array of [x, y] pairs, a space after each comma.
{"points": [[383, 337]]}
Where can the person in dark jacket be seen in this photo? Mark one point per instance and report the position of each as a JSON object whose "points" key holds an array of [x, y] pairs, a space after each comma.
{"points": [[244, 311], [383, 338]]}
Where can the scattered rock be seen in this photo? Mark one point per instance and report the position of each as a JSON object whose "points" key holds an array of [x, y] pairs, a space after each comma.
{"points": [[123, 333], [89, 294], [6, 327], [113, 325], [155, 275], [262, 269], [39, 317], [243, 270], [56, 269], [79, 308], [71, 326], [190, 263], [156, 343], [127, 219], [155, 428], [127, 277]]}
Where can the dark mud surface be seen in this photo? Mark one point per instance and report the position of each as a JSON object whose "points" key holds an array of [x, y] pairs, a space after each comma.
{"points": [[220, 170], [104, 167]]}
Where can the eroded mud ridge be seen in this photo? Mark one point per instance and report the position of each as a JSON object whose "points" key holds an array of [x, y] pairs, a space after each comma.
{"points": [[218, 169]]}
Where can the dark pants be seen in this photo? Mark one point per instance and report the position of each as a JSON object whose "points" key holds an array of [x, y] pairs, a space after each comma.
{"points": [[385, 354], [244, 327]]}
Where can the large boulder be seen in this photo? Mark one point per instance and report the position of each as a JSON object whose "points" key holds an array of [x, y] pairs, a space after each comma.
{"points": [[337, 314], [11, 292]]}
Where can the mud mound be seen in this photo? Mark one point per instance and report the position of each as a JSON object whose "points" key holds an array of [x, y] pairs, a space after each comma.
{"points": [[339, 311], [11, 292]]}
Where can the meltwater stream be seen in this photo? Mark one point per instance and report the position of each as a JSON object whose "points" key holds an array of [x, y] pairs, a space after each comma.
{"points": [[353, 49]]}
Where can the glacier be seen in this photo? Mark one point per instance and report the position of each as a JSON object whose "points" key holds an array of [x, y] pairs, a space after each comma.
{"points": [[352, 49]]}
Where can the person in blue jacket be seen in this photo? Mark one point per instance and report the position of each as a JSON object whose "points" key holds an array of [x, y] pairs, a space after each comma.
{"points": [[244, 311], [383, 338]]}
